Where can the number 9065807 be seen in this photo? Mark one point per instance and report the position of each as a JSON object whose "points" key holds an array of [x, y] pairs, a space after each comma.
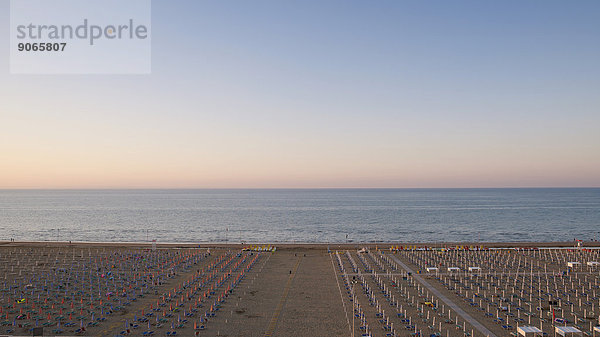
{"points": [[48, 46]]}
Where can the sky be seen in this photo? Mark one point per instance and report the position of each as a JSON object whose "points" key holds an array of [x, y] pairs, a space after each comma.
{"points": [[319, 94]]}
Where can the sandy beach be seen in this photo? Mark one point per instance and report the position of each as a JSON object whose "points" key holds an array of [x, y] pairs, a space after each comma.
{"points": [[115, 289]]}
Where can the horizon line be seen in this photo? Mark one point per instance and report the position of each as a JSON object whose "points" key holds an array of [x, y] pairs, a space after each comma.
{"points": [[288, 188]]}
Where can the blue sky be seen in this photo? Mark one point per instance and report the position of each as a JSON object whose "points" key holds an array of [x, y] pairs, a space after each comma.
{"points": [[323, 94]]}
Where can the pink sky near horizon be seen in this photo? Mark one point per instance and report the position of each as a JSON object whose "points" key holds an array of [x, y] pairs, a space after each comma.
{"points": [[264, 163]]}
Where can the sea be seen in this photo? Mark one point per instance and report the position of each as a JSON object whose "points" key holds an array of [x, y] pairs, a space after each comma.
{"points": [[301, 215]]}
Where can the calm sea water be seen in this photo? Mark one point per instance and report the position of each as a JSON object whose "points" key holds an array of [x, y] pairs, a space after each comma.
{"points": [[406, 215]]}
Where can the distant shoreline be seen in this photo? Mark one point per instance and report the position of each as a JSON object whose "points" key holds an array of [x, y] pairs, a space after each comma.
{"points": [[296, 245]]}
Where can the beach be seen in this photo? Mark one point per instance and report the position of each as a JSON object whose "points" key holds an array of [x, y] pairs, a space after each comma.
{"points": [[300, 169], [110, 289]]}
